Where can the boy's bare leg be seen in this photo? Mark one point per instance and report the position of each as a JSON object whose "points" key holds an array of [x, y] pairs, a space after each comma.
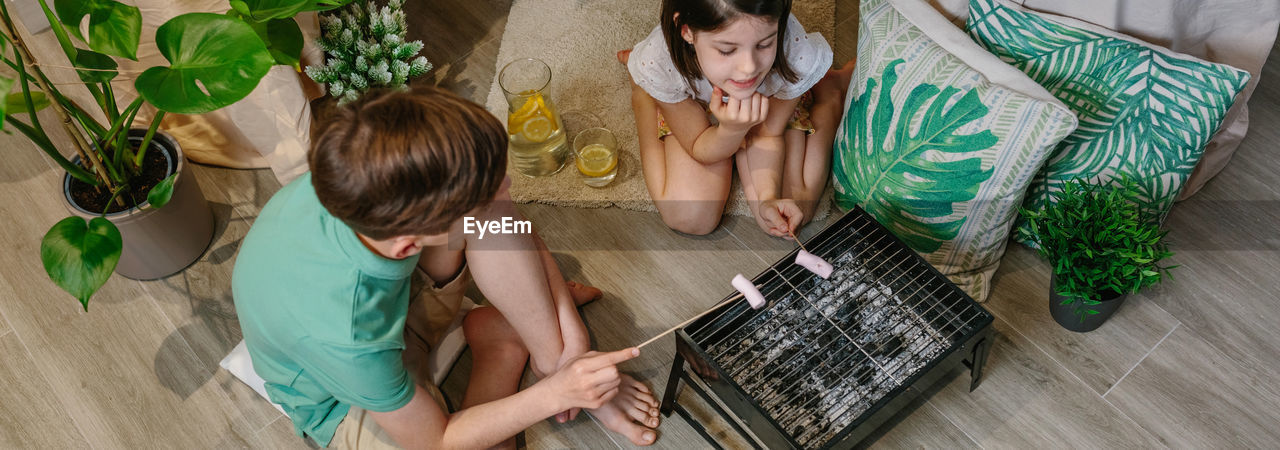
{"points": [[441, 263], [574, 331], [509, 271], [622, 413], [634, 403], [517, 273], [498, 358]]}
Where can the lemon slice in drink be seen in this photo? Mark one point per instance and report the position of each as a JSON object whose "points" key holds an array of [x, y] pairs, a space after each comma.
{"points": [[596, 161], [530, 106], [537, 129], [534, 121]]}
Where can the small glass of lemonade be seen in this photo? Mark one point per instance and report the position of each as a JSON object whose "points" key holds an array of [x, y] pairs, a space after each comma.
{"points": [[597, 156]]}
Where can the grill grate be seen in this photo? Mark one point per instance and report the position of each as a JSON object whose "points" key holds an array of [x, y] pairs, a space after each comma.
{"points": [[824, 353]]}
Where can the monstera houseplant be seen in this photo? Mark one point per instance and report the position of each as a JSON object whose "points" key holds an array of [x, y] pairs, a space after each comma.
{"points": [[135, 212], [1102, 244]]}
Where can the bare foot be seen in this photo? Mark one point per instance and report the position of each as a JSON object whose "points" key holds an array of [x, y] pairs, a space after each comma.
{"points": [[624, 55], [583, 294], [632, 413], [846, 72]]}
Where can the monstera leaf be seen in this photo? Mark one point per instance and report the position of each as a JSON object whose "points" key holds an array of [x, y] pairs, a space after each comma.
{"points": [[79, 256], [101, 68], [215, 61], [1143, 113], [264, 10], [283, 38], [114, 27], [910, 179], [326, 5]]}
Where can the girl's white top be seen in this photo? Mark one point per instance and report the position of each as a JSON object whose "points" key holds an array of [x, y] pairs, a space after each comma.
{"points": [[652, 69]]}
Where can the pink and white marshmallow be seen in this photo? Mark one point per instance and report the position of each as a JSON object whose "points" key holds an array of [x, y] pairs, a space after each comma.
{"points": [[748, 290], [815, 264]]}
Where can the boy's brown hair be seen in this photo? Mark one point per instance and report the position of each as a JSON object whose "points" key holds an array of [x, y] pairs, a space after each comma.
{"points": [[396, 163]]}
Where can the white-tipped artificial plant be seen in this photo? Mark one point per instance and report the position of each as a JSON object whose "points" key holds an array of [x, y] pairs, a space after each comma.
{"points": [[365, 47]]}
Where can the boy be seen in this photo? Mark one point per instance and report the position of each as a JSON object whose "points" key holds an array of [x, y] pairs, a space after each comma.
{"points": [[321, 287]]}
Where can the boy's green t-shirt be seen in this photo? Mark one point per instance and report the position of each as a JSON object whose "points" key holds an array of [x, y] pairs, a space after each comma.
{"points": [[322, 315]]}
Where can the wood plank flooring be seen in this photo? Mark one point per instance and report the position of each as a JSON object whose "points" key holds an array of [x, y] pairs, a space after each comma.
{"points": [[1189, 364]]}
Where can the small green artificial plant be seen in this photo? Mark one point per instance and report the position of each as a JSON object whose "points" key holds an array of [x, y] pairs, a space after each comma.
{"points": [[1099, 240], [214, 60], [366, 49]]}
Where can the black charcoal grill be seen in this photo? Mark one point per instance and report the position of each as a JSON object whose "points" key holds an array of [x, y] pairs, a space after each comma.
{"points": [[829, 361]]}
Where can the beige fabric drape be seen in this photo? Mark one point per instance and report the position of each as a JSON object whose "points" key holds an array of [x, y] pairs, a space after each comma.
{"points": [[269, 128], [1239, 33]]}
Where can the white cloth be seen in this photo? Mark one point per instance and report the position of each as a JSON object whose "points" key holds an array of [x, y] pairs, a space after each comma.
{"points": [[1238, 33], [653, 70]]}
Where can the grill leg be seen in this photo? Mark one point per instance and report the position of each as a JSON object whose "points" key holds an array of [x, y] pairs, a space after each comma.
{"points": [[978, 359], [673, 386], [697, 426]]}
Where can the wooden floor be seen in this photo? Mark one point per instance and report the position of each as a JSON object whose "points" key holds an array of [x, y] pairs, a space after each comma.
{"points": [[1190, 364]]}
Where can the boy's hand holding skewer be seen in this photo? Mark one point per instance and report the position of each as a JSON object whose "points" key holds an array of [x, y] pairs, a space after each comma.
{"points": [[590, 380]]}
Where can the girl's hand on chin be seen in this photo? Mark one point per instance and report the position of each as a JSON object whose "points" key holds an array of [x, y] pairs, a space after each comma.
{"points": [[738, 115]]}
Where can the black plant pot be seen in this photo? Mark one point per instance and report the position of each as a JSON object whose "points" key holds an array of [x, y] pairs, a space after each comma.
{"points": [[1066, 315]]}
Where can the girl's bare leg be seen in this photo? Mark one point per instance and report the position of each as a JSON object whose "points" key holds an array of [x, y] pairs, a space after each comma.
{"points": [[690, 196]]}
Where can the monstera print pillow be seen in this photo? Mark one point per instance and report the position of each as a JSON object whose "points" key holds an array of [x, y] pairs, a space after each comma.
{"points": [[940, 139], [1144, 111]]}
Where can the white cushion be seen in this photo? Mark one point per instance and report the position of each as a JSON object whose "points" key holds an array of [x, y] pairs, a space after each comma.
{"points": [[940, 139]]}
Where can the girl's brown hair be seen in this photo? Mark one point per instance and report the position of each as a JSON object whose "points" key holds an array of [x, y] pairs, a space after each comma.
{"points": [[711, 15], [398, 163]]}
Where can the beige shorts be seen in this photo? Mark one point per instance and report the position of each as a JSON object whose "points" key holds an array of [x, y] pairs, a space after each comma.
{"points": [[430, 313]]}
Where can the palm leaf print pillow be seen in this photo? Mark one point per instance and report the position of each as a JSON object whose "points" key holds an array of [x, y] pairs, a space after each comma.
{"points": [[940, 139], [1144, 111]]}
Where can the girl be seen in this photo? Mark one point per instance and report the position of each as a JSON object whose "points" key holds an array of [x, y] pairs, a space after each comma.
{"points": [[774, 110]]}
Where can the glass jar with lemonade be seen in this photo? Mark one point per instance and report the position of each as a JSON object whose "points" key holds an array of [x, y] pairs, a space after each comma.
{"points": [[538, 145]]}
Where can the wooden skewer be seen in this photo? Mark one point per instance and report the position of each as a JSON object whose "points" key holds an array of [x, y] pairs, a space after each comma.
{"points": [[699, 316], [713, 308], [793, 236]]}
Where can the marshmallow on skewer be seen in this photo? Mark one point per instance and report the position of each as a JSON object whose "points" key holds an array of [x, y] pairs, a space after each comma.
{"points": [[814, 263], [748, 290]]}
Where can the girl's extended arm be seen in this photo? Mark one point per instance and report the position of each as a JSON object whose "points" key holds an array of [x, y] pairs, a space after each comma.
{"points": [[766, 148]]}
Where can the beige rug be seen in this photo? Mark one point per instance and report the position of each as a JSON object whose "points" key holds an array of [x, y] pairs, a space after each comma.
{"points": [[578, 39]]}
